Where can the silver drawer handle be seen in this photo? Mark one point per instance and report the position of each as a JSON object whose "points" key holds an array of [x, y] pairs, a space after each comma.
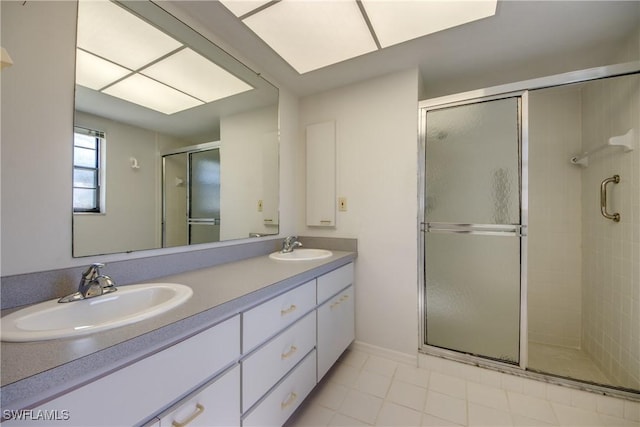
{"points": [[603, 198], [288, 354], [290, 399], [197, 413], [288, 310]]}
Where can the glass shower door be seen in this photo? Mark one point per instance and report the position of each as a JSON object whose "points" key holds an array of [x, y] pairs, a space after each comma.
{"points": [[204, 196], [472, 229]]}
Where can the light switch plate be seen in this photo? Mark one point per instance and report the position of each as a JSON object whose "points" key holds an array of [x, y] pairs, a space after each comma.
{"points": [[342, 204]]}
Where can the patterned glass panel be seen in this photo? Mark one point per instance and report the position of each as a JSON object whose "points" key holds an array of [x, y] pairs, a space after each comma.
{"points": [[472, 164], [473, 294]]}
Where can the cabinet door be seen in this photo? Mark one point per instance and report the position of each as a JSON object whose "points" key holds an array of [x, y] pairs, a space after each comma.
{"points": [[321, 174], [336, 329], [216, 405]]}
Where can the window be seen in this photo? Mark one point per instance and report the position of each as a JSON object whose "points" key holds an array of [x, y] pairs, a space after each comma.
{"points": [[86, 170]]}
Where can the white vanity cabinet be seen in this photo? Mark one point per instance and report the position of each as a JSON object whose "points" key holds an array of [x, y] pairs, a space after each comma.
{"points": [[278, 376], [252, 369], [134, 393], [336, 320]]}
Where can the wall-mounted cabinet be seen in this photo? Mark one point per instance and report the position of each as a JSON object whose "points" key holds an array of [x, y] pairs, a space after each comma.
{"points": [[321, 174]]}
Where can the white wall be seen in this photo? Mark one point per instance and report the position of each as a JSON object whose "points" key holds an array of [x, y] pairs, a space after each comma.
{"points": [[37, 135], [377, 149], [245, 138], [555, 225]]}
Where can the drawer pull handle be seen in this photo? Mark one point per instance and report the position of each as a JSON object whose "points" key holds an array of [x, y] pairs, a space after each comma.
{"points": [[288, 310], [344, 297], [198, 412], [289, 353], [292, 398], [334, 304]]}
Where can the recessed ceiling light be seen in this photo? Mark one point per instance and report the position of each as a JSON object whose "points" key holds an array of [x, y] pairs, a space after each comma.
{"points": [[124, 56], [96, 73], [195, 75], [147, 92], [111, 32], [396, 22], [313, 34]]}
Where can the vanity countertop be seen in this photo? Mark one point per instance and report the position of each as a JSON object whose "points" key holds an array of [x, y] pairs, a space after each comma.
{"points": [[35, 371]]}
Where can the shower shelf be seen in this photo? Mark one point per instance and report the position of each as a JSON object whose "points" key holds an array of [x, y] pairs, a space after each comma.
{"points": [[627, 141]]}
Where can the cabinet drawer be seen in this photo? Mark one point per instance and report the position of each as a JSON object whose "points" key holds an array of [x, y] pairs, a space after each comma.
{"points": [[278, 406], [139, 390], [332, 282], [267, 319], [266, 366], [216, 405]]}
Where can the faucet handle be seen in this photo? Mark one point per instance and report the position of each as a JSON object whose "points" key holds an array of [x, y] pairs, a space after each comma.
{"points": [[92, 271]]}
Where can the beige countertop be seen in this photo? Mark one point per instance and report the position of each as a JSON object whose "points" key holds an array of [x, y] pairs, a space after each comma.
{"points": [[34, 372]]}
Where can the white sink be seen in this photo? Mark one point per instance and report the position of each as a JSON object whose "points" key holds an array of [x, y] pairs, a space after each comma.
{"points": [[130, 304], [301, 255]]}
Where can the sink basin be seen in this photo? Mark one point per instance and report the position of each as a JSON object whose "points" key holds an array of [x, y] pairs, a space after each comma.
{"points": [[130, 304], [301, 255]]}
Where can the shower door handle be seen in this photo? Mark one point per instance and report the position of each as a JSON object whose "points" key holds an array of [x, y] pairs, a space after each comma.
{"points": [[603, 198]]}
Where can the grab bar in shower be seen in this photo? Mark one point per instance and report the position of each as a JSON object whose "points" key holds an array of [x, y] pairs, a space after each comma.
{"points": [[603, 198]]}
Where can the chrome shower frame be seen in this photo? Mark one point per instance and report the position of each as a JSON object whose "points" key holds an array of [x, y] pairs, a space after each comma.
{"points": [[519, 89]]}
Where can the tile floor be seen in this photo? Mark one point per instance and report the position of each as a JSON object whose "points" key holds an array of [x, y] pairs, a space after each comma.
{"points": [[366, 389], [565, 362]]}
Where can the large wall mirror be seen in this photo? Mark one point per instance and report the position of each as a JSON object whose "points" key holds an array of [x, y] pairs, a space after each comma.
{"points": [[175, 141]]}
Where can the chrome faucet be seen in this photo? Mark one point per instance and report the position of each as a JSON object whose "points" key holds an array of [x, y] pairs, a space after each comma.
{"points": [[289, 244], [92, 284]]}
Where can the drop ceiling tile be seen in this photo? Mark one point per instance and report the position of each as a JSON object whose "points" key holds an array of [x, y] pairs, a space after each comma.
{"points": [[96, 73], [144, 91], [240, 8], [195, 75], [398, 21], [313, 34], [111, 32]]}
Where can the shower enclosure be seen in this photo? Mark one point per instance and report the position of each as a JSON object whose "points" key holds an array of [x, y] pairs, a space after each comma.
{"points": [[530, 220], [191, 195]]}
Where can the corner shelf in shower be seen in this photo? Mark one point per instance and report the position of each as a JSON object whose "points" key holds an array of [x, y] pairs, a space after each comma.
{"points": [[626, 141]]}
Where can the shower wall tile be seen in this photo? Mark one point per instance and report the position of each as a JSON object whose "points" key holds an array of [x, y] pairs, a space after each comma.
{"points": [[611, 258], [555, 227]]}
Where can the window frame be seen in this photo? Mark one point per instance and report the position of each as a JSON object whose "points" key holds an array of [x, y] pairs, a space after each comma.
{"points": [[97, 168]]}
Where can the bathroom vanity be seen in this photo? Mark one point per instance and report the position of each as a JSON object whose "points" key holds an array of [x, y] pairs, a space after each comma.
{"points": [[246, 349]]}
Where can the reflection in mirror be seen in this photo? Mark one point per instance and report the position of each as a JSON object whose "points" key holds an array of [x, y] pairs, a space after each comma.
{"points": [[184, 137]]}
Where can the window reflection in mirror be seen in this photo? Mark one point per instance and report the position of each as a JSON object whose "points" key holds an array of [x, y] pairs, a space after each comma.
{"points": [[165, 89]]}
